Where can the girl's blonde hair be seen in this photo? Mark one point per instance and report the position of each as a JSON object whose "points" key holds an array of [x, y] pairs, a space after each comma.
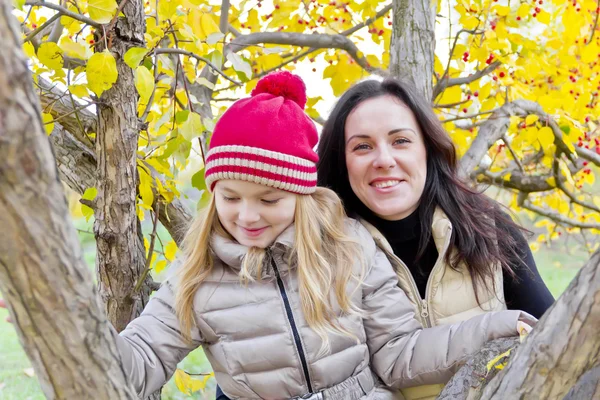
{"points": [[324, 254]]}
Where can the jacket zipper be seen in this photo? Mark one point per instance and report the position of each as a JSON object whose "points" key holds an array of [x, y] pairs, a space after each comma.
{"points": [[290, 315], [436, 266]]}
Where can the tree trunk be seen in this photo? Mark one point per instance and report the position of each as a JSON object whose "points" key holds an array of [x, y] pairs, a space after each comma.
{"points": [[560, 359], [57, 313], [563, 347], [121, 256], [413, 43]]}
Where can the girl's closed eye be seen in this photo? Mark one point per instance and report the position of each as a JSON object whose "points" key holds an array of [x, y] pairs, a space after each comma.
{"points": [[270, 202], [230, 199]]}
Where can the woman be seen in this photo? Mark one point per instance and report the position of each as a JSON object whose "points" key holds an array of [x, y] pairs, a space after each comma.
{"points": [[457, 254]]}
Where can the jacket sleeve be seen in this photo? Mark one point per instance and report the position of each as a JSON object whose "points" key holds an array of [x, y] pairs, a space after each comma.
{"points": [[404, 354], [152, 345]]}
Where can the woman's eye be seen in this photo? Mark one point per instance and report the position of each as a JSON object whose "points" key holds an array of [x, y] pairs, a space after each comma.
{"points": [[229, 198], [401, 141], [362, 146], [271, 201]]}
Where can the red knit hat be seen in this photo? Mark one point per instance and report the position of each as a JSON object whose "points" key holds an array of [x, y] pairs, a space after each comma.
{"points": [[266, 138]]}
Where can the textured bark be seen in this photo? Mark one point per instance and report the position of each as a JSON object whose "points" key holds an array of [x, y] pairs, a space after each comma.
{"points": [[413, 43], [57, 313], [561, 350], [120, 259], [472, 377]]}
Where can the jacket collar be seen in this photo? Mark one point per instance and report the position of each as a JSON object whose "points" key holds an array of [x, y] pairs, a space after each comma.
{"points": [[441, 227], [230, 252]]}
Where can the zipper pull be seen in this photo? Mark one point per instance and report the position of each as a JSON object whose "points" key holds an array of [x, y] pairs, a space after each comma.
{"points": [[424, 310]]}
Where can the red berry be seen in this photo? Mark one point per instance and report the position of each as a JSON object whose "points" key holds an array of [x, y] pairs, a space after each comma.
{"points": [[587, 119], [300, 21], [518, 18], [476, 94], [585, 163], [92, 41], [380, 32], [469, 97], [34, 26], [389, 23], [534, 15], [502, 74], [465, 110], [495, 78], [597, 149], [537, 10], [540, 2], [277, 6]]}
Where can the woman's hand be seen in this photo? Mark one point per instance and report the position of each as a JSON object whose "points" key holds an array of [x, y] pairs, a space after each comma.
{"points": [[3, 305]]}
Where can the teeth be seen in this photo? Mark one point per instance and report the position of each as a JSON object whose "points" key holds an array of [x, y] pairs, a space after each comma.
{"points": [[385, 184]]}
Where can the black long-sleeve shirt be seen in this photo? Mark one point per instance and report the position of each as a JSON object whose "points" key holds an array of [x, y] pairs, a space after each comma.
{"points": [[525, 291]]}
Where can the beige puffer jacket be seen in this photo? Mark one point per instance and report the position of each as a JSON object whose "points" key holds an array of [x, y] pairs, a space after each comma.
{"points": [[261, 347]]}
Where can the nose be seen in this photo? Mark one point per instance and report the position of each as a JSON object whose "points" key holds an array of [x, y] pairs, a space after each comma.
{"points": [[248, 213], [384, 159]]}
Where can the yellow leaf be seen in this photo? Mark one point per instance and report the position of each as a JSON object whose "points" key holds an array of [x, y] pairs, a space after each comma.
{"points": [[451, 95], [589, 178], [502, 11], [507, 176], [28, 49], [531, 119], [182, 381], [543, 17], [101, 72], [170, 250], [192, 127], [102, 11], [546, 137], [72, 48], [551, 181], [208, 25], [485, 90], [48, 124], [144, 83], [495, 361], [523, 10], [160, 266], [78, 90], [134, 56], [50, 55], [146, 187]]}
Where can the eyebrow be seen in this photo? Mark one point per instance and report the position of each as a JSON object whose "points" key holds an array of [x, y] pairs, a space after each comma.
{"points": [[389, 133], [264, 192]]}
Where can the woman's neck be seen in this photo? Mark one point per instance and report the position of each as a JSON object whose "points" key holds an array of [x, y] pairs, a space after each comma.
{"points": [[401, 230]]}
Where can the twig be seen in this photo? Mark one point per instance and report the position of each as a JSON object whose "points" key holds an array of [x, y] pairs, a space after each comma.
{"points": [[41, 27], [467, 116], [197, 57], [448, 82], [595, 26], [142, 277], [513, 153], [65, 12], [523, 202], [562, 186]]}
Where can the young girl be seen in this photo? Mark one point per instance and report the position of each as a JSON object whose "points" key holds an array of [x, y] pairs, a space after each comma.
{"points": [[288, 297]]}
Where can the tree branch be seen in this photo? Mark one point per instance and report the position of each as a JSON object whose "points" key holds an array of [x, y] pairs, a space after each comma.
{"points": [[199, 58], [559, 218], [314, 41], [65, 12], [224, 19], [40, 28], [558, 177], [588, 155], [448, 82]]}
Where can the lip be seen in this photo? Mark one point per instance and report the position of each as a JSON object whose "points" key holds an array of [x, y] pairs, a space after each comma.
{"points": [[254, 232]]}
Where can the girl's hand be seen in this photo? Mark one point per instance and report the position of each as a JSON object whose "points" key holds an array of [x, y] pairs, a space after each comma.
{"points": [[3, 305]]}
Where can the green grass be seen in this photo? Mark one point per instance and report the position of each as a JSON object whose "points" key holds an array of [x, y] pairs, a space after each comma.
{"points": [[556, 266]]}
